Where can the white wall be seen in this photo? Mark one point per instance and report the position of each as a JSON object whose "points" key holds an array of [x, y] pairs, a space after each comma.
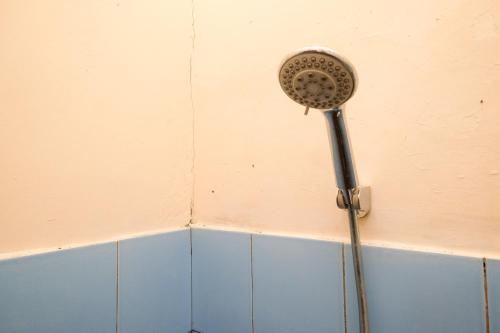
{"points": [[95, 120], [424, 121]]}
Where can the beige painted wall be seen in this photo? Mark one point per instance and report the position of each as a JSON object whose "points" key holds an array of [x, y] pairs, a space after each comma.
{"points": [[95, 120], [424, 122], [96, 123]]}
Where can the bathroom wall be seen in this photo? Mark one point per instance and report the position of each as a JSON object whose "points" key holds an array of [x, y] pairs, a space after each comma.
{"points": [[95, 120], [97, 127], [245, 282], [101, 288], [424, 121], [209, 280]]}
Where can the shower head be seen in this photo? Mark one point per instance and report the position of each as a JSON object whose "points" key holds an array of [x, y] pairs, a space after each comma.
{"points": [[317, 77]]}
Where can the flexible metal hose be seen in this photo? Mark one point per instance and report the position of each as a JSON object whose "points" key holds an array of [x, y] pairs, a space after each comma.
{"points": [[358, 271]]}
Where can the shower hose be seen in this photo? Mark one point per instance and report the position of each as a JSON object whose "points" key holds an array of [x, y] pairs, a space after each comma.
{"points": [[358, 269]]}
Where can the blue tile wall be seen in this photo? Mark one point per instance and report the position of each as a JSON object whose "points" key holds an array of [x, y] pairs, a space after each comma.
{"points": [[155, 283], [418, 292], [297, 285], [493, 270], [59, 292], [225, 282], [222, 294]]}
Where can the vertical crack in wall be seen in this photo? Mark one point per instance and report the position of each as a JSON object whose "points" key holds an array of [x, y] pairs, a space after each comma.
{"points": [[193, 122], [486, 305]]}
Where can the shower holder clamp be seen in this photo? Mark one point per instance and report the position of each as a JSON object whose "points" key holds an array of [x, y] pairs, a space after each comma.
{"points": [[361, 200]]}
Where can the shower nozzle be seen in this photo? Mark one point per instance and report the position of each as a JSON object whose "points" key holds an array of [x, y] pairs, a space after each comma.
{"points": [[317, 77]]}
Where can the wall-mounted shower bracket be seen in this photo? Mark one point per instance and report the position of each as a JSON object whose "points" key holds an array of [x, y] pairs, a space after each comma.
{"points": [[361, 198]]}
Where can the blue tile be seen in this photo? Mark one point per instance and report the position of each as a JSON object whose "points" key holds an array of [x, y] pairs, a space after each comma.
{"points": [[493, 269], [418, 292], [59, 292], [222, 284], [297, 285], [154, 283]]}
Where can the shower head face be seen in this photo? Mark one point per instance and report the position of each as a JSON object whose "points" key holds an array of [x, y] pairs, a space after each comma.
{"points": [[317, 78]]}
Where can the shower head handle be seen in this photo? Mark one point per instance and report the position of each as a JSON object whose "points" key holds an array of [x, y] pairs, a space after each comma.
{"points": [[340, 149]]}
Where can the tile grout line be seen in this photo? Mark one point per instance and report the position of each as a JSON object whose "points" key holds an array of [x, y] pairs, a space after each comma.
{"points": [[191, 276], [117, 304], [485, 288], [252, 283], [344, 289]]}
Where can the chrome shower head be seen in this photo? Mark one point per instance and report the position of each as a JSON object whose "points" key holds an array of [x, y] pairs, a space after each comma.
{"points": [[317, 77]]}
